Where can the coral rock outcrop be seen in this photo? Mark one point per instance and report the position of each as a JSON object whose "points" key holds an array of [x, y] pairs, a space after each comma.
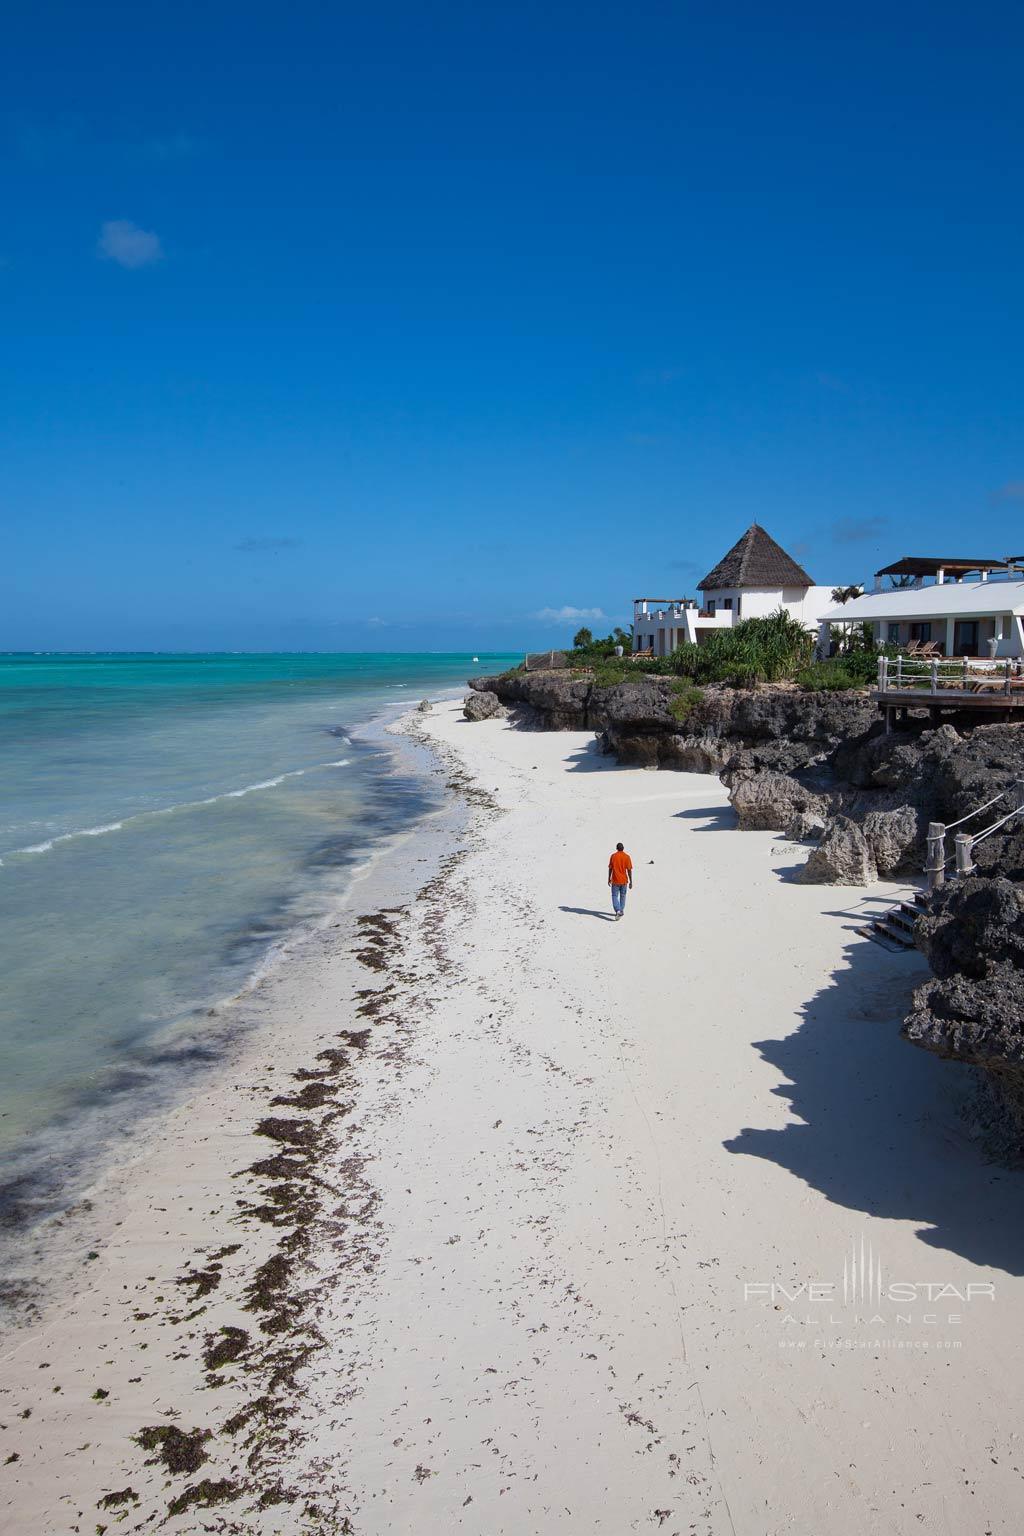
{"points": [[482, 706], [843, 857]]}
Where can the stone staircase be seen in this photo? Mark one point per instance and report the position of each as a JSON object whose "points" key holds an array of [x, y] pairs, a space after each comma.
{"points": [[895, 928]]}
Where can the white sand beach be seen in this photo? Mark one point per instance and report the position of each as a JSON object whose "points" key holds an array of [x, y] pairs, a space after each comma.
{"points": [[574, 1212]]}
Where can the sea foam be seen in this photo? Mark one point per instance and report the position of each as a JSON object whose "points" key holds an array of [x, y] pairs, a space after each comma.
{"points": [[169, 810]]}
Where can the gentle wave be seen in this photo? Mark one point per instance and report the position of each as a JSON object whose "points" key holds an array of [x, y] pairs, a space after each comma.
{"points": [[63, 837], [168, 810]]}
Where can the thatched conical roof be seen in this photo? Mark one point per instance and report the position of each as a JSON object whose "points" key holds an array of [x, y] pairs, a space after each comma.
{"points": [[755, 560]]}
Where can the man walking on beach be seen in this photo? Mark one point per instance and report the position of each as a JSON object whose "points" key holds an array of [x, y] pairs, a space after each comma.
{"points": [[620, 878]]}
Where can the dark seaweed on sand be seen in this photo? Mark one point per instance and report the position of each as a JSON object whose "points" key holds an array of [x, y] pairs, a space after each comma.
{"points": [[181, 1451]]}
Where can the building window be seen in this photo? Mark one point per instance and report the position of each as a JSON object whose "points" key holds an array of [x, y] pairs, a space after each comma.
{"points": [[711, 605], [893, 634], [727, 603], [922, 632], [965, 637]]}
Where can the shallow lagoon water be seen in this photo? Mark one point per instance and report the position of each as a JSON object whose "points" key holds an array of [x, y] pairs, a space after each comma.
{"points": [[165, 822]]}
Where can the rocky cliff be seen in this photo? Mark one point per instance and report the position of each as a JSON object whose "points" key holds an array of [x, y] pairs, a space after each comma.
{"points": [[867, 807], [660, 722], [885, 789], [972, 1010], [550, 699], [792, 761]]}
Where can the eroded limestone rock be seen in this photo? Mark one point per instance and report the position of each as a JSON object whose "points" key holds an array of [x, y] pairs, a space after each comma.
{"points": [[843, 857], [482, 706], [896, 839], [806, 827], [769, 801]]}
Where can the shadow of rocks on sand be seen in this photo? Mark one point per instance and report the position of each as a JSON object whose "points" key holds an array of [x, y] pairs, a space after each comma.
{"points": [[590, 759], [712, 818], [880, 1131]]}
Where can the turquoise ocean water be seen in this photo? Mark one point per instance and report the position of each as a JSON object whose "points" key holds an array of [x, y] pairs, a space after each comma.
{"points": [[164, 822]]}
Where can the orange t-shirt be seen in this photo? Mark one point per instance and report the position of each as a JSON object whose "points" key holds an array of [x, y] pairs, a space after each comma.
{"points": [[619, 866]]}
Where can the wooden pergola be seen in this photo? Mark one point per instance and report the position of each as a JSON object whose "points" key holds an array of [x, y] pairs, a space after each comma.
{"points": [[916, 566]]}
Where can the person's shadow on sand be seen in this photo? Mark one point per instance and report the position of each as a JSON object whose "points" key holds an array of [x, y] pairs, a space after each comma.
{"points": [[607, 917], [876, 1125]]}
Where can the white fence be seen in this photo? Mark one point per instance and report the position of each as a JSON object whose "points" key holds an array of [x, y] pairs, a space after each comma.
{"points": [[937, 675]]}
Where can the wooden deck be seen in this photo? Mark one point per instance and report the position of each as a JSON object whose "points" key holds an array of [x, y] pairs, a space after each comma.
{"points": [[988, 703], [991, 688]]}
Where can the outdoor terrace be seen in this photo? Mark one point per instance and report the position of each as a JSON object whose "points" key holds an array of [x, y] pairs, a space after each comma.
{"points": [[964, 683], [915, 571]]}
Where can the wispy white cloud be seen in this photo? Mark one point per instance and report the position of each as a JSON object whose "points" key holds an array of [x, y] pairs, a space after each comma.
{"points": [[1013, 490], [124, 242], [567, 614]]}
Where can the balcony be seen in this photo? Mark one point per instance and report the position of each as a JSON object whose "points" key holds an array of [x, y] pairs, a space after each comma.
{"points": [[661, 610]]}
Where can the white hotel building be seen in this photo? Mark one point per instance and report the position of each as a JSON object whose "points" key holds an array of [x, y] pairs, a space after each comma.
{"points": [[962, 608], [757, 577]]}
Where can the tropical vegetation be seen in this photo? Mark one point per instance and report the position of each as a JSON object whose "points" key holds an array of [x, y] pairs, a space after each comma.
{"points": [[764, 650]]}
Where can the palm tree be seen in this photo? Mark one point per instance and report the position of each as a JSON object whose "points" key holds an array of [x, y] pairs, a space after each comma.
{"points": [[844, 594]]}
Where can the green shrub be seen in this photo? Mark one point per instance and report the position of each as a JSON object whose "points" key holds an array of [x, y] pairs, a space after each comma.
{"points": [[829, 676], [616, 669], [769, 650], [753, 651], [606, 674], [856, 638], [684, 701], [863, 665]]}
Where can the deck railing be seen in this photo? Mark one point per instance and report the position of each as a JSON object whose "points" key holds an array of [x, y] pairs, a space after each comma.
{"points": [[939, 675]]}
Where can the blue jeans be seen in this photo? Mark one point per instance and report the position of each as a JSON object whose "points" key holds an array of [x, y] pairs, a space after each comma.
{"points": [[619, 898]]}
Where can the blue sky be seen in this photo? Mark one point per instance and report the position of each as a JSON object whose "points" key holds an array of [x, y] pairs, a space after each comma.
{"points": [[340, 326]]}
